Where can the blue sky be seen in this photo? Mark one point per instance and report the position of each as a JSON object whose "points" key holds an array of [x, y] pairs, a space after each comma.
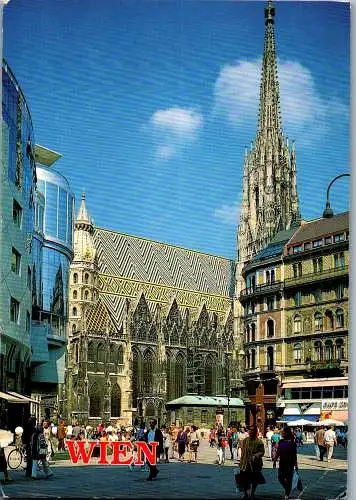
{"points": [[152, 102]]}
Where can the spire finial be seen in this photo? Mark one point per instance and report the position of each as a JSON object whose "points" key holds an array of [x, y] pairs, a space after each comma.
{"points": [[269, 12], [83, 195]]}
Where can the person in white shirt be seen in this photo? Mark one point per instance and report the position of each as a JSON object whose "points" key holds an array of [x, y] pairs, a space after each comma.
{"points": [[330, 442], [269, 435]]}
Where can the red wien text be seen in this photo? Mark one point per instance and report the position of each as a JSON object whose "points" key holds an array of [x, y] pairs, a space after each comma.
{"points": [[121, 452]]}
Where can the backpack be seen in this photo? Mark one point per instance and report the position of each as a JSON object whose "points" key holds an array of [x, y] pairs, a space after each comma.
{"points": [[42, 448], [140, 434]]}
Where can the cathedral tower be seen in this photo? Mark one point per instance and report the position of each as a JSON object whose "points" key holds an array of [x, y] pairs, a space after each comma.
{"points": [[269, 200]]}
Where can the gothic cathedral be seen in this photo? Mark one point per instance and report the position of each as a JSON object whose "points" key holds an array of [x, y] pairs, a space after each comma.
{"points": [[150, 322]]}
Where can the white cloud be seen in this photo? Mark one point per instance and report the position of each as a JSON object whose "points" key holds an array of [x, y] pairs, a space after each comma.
{"points": [[173, 129], [237, 98], [229, 214]]}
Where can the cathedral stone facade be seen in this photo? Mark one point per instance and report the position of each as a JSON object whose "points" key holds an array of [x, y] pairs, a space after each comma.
{"points": [[149, 322]]}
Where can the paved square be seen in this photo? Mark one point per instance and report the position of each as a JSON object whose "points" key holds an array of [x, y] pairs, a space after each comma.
{"points": [[321, 481]]}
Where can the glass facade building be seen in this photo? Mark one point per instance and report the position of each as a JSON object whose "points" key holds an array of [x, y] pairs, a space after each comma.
{"points": [[17, 186], [54, 249]]}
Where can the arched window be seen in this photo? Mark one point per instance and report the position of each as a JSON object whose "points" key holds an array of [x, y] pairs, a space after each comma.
{"points": [[86, 295], [75, 278], [297, 324], [339, 318], [247, 360], [150, 411], [318, 351], [101, 353], [115, 401], [253, 332], [120, 355], [273, 277], [74, 312], [74, 328], [329, 320], [94, 401], [136, 380], [270, 328], [318, 321], [340, 351], [75, 295], [179, 375], [148, 370], [297, 353], [91, 352], [209, 376], [253, 358], [86, 278], [329, 350], [270, 358], [248, 333]]}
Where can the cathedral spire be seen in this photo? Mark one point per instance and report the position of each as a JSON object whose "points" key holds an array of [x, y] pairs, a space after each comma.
{"points": [[83, 213], [269, 113], [269, 198]]}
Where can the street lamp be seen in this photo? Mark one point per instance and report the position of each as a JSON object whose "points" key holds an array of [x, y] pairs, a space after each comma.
{"points": [[328, 212]]}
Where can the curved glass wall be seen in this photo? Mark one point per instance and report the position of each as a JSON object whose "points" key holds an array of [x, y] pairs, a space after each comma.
{"points": [[59, 206]]}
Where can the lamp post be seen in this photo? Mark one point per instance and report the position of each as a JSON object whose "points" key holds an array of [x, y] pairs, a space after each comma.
{"points": [[328, 212]]}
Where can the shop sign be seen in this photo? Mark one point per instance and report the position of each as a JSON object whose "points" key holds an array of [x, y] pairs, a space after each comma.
{"points": [[334, 404]]}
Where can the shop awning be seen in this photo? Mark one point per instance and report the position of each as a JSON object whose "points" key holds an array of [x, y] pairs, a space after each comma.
{"points": [[290, 418], [298, 384], [14, 397]]}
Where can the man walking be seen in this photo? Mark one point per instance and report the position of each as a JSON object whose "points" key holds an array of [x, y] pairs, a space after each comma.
{"points": [[330, 442], [320, 441], [269, 435], [154, 435]]}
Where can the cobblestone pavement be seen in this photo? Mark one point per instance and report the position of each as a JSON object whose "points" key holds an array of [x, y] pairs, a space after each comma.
{"points": [[321, 480]]}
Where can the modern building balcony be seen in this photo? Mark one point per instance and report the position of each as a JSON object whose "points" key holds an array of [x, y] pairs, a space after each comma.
{"points": [[327, 274], [257, 290]]}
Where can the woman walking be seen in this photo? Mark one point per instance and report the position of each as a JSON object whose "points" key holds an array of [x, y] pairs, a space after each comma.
{"points": [[251, 463], [39, 452], [287, 455], [182, 443], [167, 443]]}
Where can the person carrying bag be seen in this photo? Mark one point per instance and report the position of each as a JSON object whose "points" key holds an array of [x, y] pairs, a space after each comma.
{"points": [[39, 450]]}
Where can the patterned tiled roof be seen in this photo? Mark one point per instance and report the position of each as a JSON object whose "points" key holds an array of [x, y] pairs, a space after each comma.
{"points": [[128, 264]]}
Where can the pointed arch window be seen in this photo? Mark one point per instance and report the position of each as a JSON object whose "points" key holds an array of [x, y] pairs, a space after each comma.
{"points": [[152, 334], [75, 278], [86, 278], [209, 375], [115, 401], [75, 294], [94, 401], [247, 360], [248, 333], [179, 375], [74, 328], [91, 352], [120, 355], [184, 337], [113, 354], [86, 295], [101, 353], [148, 371], [136, 385], [174, 335], [74, 312]]}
